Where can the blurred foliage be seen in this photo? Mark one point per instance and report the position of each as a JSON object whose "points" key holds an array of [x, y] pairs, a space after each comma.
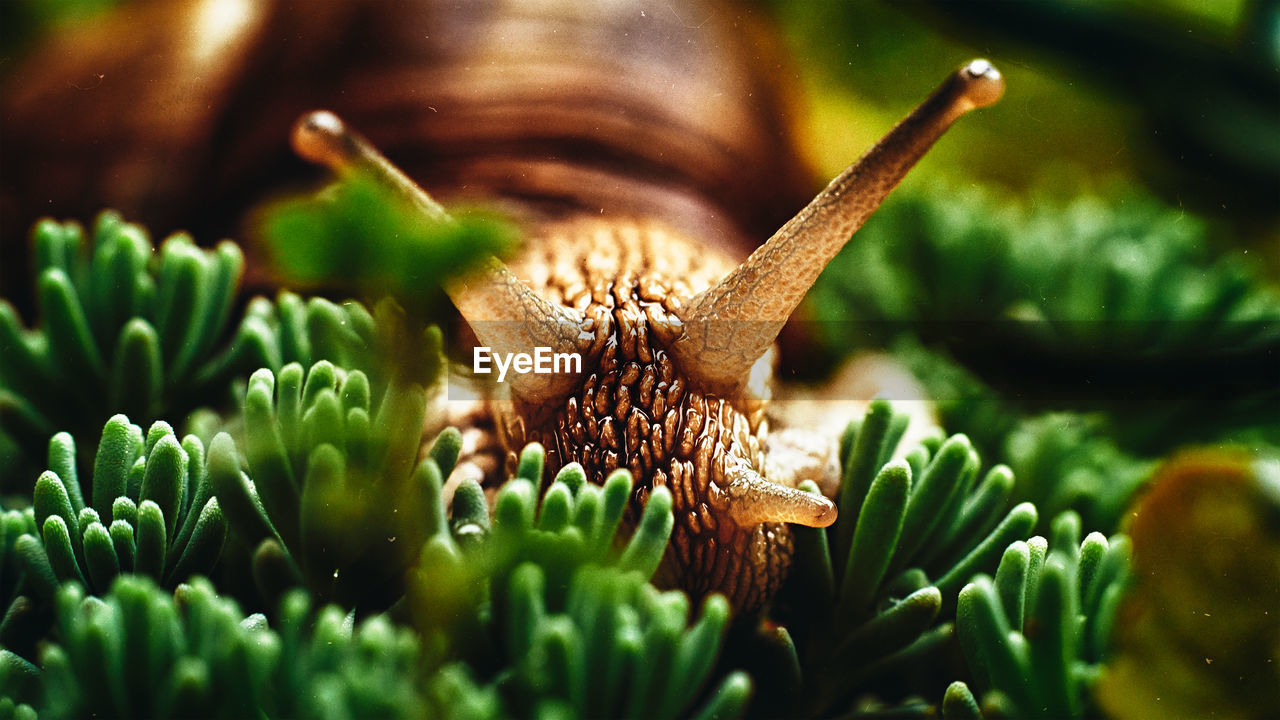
{"points": [[1007, 309], [1206, 88], [1199, 634], [370, 241], [1088, 282], [1061, 460], [332, 496], [1184, 96], [1036, 635]]}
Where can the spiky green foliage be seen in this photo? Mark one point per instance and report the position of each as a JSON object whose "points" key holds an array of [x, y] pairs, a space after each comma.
{"points": [[331, 494], [1035, 636], [308, 330], [126, 328], [140, 652], [866, 595], [619, 648], [464, 575], [1088, 305], [149, 510], [25, 619], [1089, 279], [123, 327], [1068, 462], [367, 239]]}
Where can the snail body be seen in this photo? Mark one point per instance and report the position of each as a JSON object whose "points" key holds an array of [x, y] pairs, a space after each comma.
{"points": [[640, 180]]}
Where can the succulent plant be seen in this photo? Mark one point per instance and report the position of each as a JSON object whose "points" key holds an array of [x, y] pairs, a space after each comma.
{"points": [[1088, 305], [147, 510], [140, 652], [150, 512], [872, 593], [1062, 460], [124, 327], [618, 649], [128, 328], [1035, 636], [460, 589], [1091, 279], [331, 494]]}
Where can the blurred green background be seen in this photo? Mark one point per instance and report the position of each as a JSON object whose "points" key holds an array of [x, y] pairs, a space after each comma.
{"points": [[1178, 96]]}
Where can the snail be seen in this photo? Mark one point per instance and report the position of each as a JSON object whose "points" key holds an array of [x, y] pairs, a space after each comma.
{"points": [[675, 334]]}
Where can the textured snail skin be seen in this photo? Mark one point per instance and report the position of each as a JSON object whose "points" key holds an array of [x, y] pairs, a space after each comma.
{"points": [[636, 409]]}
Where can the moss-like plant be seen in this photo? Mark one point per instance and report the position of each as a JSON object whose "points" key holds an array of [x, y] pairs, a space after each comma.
{"points": [[866, 595], [148, 511], [126, 328], [123, 328], [1090, 279], [1035, 636], [140, 652], [332, 494], [460, 592], [618, 649], [151, 510]]}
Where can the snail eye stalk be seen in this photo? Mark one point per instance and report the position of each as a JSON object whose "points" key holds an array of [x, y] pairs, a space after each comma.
{"points": [[729, 326]]}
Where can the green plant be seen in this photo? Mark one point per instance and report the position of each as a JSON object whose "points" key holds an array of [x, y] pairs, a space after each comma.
{"points": [[357, 235], [333, 497], [148, 511], [1087, 279], [866, 594], [125, 328], [460, 590], [1036, 635], [1062, 460], [25, 619], [619, 648], [1089, 304], [140, 652], [546, 600], [151, 510], [1068, 462]]}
